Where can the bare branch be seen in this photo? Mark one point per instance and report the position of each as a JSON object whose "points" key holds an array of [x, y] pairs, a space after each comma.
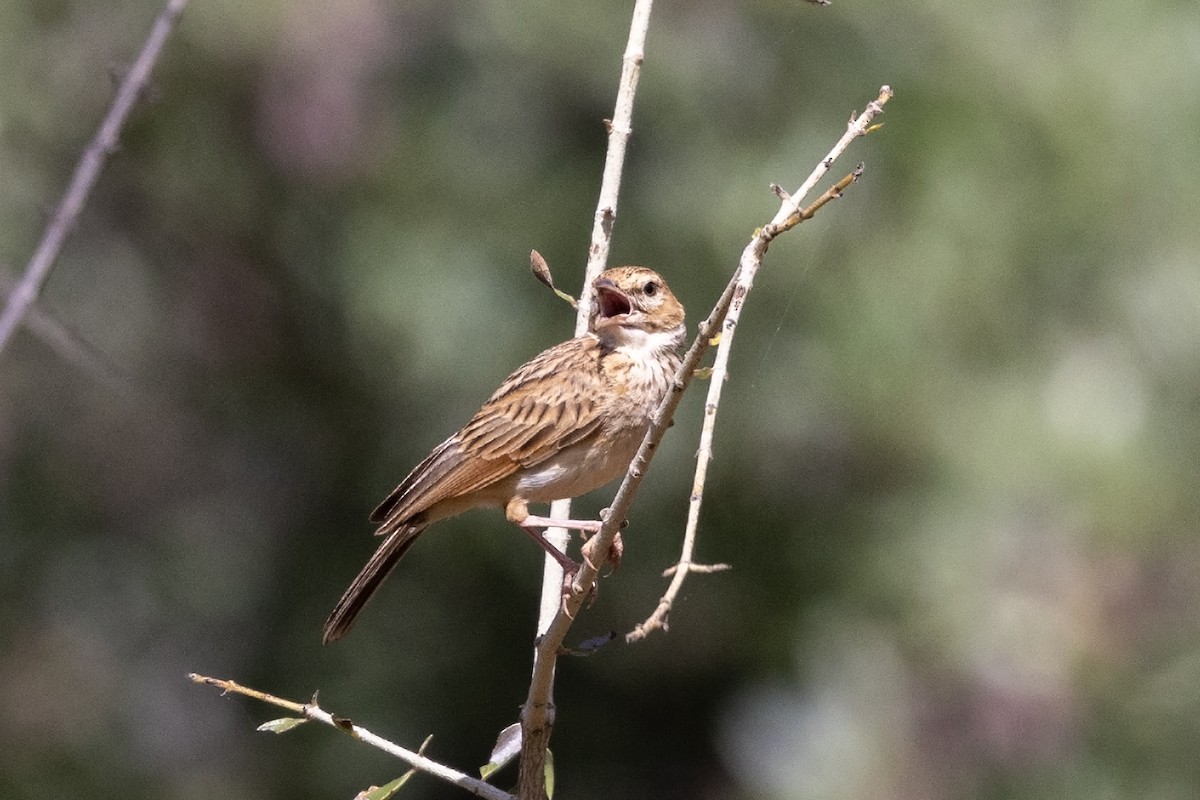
{"points": [[789, 215], [859, 125], [537, 715], [86, 173], [699, 569], [619, 130], [313, 711], [620, 127], [720, 371]]}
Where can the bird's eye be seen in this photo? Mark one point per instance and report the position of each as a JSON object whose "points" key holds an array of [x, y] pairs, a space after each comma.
{"points": [[650, 289]]}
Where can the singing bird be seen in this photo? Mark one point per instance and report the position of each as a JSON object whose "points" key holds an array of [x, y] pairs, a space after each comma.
{"points": [[565, 423]]}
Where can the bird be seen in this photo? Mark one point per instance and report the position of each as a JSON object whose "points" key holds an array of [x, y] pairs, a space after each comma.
{"points": [[563, 424]]}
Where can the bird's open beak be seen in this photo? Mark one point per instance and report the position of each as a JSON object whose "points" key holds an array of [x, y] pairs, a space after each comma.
{"points": [[612, 305]]}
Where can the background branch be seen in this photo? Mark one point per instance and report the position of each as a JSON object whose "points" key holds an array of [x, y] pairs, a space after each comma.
{"points": [[86, 173], [68, 345]]}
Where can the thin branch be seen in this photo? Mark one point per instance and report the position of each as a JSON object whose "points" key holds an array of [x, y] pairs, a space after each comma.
{"points": [[86, 174], [789, 215], [314, 712], [537, 715], [699, 569], [858, 126], [720, 371], [619, 130]]}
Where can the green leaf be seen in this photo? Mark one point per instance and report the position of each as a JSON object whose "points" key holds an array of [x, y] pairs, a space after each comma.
{"points": [[549, 774], [386, 791], [281, 725]]}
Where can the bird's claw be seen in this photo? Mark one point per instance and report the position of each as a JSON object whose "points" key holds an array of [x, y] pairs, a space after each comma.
{"points": [[615, 551]]}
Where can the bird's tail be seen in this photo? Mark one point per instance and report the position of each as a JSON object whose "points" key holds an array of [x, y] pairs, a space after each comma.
{"points": [[372, 576]]}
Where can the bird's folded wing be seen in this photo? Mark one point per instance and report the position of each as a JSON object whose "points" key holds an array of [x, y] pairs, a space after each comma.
{"points": [[550, 403]]}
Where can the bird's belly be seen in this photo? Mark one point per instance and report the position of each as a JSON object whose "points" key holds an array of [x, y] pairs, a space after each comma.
{"points": [[579, 469]]}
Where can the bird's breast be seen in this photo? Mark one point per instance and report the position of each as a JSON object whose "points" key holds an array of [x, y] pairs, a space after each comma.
{"points": [[636, 384], [639, 381]]}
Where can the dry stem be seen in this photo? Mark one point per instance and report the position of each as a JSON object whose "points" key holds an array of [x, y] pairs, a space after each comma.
{"points": [[537, 715], [314, 712], [86, 174], [679, 573], [619, 130]]}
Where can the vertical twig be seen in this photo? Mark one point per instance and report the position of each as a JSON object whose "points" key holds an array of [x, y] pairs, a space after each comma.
{"points": [[619, 130], [537, 715], [86, 173]]}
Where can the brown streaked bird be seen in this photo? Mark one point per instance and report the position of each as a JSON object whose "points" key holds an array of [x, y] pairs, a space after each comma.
{"points": [[565, 423]]}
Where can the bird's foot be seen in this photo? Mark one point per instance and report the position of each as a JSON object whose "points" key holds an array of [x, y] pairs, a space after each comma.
{"points": [[615, 551], [568, 589]]}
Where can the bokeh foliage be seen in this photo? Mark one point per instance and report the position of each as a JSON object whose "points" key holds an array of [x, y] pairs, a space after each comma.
{"points": [[957, 466]]}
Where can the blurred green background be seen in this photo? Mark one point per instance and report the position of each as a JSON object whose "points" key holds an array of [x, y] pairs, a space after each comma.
{"points": [[956, 468]]}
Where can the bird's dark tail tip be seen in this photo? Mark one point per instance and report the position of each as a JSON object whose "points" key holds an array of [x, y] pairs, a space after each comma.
{"points": [[382, 562]]}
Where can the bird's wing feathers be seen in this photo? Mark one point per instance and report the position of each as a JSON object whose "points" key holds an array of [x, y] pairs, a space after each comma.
{"points": [[444, 473], [548, 404]]}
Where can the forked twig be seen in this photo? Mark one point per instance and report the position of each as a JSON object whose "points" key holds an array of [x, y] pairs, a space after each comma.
{"points": [[789, 215], [724, 314], [658, 619]]}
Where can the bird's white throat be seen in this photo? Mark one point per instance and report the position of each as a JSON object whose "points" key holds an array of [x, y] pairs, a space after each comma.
{"points": [[640, 343]]}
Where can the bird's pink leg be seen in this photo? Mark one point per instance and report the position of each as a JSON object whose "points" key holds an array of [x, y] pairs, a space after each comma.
{"points": [[589, 525], [517, 511], [569, 567]]}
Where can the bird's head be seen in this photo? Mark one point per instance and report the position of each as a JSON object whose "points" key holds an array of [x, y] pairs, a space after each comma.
{"points": [[635, 307]]}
